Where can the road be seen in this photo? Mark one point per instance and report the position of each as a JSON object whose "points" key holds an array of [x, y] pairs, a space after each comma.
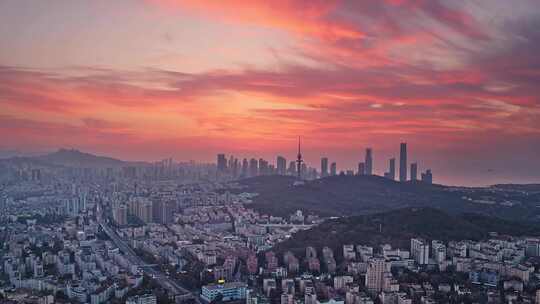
{"points": [[169, 284], [299, 226]]}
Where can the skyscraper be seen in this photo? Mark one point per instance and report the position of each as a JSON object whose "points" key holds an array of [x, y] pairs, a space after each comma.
{"points": [[420, 251], [263, 167], [230, 163], [392, 169], [221, 163], [369, 162], [253, 167], [145, 211], [162, 211], [324, 167], [73, 206], [403, 162], [120, 215], [236, 168], [299, 162], [333, 169], [414, 172], [292, 168], [157, 207], [427, 177], [245, 166], [281, 165], [361, 168], [374, 274], [168, 212], [304, 171]]}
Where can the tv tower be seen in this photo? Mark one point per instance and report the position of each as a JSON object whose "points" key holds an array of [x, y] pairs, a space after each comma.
{"points": [[299, 162]]}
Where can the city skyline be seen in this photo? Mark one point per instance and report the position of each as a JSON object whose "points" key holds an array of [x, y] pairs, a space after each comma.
{"points": [[283, 163], [237, 168], [153, 79]]}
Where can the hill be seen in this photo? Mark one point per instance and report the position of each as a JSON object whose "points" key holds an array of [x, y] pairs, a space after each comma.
{"points": [[397, 227], [354, 195], [76, 158], [57, 161], [65, 158], [339, 195]]}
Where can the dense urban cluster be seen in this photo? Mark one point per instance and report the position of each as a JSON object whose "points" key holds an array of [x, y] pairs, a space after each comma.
{"points": [[235, 168], [500, 269], [185, 232], [96, 236], [57, 256]]}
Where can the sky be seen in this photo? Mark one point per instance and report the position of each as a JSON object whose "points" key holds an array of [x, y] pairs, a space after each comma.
{"points": [[459, 81]]}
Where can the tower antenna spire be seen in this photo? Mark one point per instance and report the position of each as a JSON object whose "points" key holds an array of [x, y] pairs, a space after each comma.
{"points": [[299, 162]]}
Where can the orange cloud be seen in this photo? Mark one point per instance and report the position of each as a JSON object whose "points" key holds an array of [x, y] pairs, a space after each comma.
{"points": [[370, 73], [299, 17]]}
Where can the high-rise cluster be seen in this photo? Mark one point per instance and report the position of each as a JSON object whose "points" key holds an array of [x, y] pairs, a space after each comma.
{"points": [[246, 168], [403, 166], [233, 168]]}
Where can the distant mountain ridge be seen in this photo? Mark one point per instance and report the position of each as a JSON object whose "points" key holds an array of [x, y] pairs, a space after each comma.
{"points": [[518, 187], [68, 158], [76, 158]]}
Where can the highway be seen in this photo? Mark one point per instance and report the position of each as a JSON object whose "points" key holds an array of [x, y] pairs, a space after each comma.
{"points": [[169, 284]]}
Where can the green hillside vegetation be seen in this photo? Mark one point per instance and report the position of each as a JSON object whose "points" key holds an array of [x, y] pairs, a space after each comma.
{"points": [[397, 227], [355, 195]]}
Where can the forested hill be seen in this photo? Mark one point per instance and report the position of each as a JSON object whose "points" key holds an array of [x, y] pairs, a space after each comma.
{"points": [[397, 227], [354, 195]]}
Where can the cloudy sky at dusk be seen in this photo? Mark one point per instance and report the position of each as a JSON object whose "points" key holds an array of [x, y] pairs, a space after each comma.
{"points": [[459, 81]]}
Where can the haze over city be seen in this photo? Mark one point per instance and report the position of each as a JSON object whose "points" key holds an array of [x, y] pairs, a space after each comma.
{"points": [[147, 80]]}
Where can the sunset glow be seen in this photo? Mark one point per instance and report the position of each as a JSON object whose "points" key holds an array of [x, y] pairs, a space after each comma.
{"points": [[459, 81]]}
